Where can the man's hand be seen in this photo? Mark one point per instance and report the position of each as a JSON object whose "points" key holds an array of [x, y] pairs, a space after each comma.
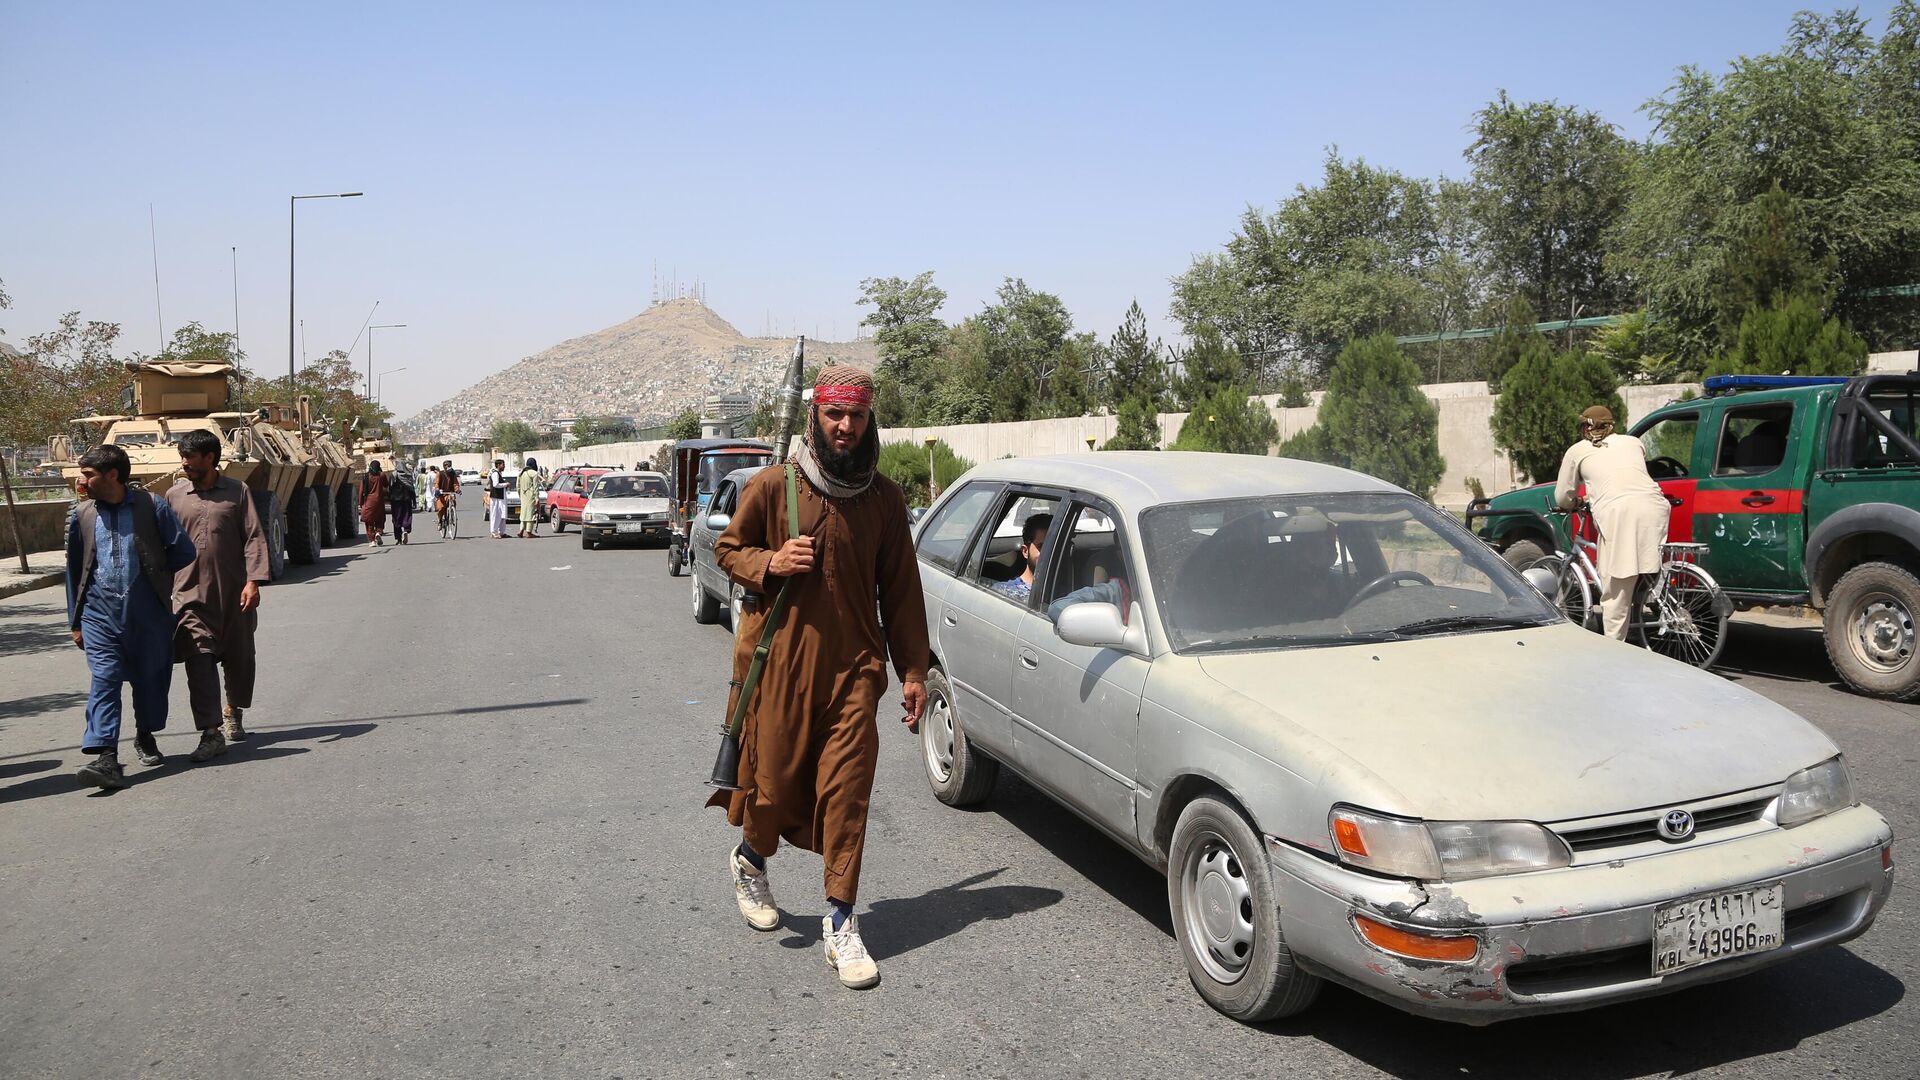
{"points": [[794, 557], [77, 643], [249, 596], [913, 695]]}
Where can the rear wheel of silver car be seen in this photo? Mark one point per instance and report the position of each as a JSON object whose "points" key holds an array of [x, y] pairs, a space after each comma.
{"points": [[1227, 918], [706, 606], [959, 774]]}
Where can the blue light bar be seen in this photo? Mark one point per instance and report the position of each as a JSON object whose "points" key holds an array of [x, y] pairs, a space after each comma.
{"points": [[1722, 383]]}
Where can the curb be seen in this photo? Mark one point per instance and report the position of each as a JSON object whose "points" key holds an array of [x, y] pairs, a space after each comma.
{"points": [[28, 584]]}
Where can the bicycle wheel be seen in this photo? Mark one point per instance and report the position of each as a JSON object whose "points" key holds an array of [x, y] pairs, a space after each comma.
{"points": [[1574, 596], [1681, 615]]}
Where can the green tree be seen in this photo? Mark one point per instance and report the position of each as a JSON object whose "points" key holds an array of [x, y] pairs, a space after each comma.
{"points": [[1792, 337], [684, 426], [513, 437], [1208, 365], [1132, 365], [1516, 341], [1832, 118], [330, 383], [909, 337], [438, 449], [1549, 182], [1227, 420], [1537, 416], [589, 430], [1375, 419], [1138, 425], [1293, 390], [905, 464], [1024, 337], [63, 373]]}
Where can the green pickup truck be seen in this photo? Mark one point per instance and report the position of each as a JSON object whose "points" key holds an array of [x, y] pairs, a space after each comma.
{"points": [[1806, 491]]}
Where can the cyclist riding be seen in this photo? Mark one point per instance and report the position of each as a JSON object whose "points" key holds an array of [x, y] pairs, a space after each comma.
{"points": [[448, 495], [1628, 509]]}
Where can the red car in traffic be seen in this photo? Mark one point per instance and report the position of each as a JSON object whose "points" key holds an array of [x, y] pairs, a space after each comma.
{"points": [[567, 496]]}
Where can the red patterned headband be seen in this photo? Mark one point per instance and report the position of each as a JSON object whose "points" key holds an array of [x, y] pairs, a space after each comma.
{"points": [[837, 394]]}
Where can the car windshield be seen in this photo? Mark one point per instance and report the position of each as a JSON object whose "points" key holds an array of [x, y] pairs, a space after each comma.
{"points": [[1299, 570], [715, 467], [629, 487]]}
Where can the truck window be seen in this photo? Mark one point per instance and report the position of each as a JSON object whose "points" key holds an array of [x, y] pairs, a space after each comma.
{"points": [[1871, 448], [1669, 445], [1753, 439]]}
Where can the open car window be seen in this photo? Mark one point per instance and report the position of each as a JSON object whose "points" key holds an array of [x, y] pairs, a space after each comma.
{"points": [[997, 564]]}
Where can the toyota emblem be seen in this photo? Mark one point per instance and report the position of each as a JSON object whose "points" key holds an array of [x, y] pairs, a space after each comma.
{"points": [[1676, 825]]}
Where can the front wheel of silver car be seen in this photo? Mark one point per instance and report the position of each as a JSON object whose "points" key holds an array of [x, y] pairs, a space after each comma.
{"points": [[1227, 918], [959, 774]]}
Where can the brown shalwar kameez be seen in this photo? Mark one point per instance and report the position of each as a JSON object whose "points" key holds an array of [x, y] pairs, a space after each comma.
{"points": [[232, 550], [809, 743]]}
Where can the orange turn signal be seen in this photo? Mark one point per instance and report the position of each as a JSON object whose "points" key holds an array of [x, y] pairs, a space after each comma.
{"points": [[1451, 948], [1347, 835]]}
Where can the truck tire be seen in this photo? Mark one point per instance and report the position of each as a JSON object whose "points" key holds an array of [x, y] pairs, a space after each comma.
{"points": [[346, 523], [959, 774], [1869, 630], [323, 498], [1227, 917], [303, 526], [266, 505], [1523, 553]]}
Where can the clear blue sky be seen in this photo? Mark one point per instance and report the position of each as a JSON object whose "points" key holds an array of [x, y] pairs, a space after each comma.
{"points": [[526, 164]]}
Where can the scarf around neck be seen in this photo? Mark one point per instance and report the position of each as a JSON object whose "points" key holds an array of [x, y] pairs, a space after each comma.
{"points": [[827, 483]]}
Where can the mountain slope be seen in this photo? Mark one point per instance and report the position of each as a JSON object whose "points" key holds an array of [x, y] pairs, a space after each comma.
{"points": [[652, 366]]}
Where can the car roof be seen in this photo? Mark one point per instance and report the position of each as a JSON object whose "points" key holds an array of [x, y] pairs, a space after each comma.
{"points": [[713, 444], [613, 474], [1138, 479], [741, 476]]}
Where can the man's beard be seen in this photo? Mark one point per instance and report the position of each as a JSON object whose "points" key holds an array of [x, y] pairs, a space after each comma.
{"points": [[847, 466]]}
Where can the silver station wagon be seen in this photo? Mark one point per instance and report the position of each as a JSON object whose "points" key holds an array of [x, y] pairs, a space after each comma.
{"points": [[1363, 749]]}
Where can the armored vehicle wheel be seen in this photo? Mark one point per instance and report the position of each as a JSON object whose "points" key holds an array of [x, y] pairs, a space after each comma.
{"points": [[959, 774], [1870, 633], [303, 526], [266, 505], [706, 606], [346, 523], [323, 498]]}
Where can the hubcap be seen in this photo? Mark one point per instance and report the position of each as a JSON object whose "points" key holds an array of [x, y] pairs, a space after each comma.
{"points": [[696, 592], [939, 737], [1217, 901], [1883, 634]]}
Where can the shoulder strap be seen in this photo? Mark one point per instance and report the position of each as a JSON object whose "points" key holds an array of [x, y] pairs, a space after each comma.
{"points": [[760, 651]]}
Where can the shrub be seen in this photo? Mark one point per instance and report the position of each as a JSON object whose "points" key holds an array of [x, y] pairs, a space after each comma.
{"points": [[905, 464]]}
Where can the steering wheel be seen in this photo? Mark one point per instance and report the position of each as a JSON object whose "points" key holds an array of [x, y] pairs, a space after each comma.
{"points": [[1384, 582], [1679, 467]]}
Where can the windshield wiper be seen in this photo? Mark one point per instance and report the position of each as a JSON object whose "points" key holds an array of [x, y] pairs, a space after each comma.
{"points": [[1463, 622], [1281, 641]]}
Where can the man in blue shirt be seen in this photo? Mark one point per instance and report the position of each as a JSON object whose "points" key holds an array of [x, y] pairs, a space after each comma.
{"points": [[123, 548], [1033, 537]]}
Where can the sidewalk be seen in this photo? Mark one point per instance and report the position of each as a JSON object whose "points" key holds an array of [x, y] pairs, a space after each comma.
{"points": [[45, 569]]}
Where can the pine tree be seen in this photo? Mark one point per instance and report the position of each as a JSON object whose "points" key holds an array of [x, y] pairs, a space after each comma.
{"points": [[1538, 414], [1375, 419], [1792, 337], [1208, 365], [1228, 421], [1138, 427], [1133, 364]]}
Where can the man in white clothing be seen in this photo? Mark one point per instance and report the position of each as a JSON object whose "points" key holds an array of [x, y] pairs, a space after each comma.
{"points": [[497, 499], [1629, 510]]}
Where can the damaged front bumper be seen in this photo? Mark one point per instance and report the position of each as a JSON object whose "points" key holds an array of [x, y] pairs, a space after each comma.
{"points": [[1573, 938]]}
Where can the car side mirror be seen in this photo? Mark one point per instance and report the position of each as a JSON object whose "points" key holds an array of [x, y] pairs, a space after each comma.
{"points": [[718, 522], [1544, 581], [1099, 626]]}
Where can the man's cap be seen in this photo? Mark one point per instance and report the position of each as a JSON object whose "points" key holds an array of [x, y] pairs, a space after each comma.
{"points": [[1597, 414], [843, 385]]}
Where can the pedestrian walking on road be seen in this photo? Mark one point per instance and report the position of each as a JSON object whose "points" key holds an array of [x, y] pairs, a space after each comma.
{"points": [[400, 484], [218, 594], [429, 484], [1629, 510], [809, 743], [497, 499], [373, 504], [123, 548], [529, 498]]}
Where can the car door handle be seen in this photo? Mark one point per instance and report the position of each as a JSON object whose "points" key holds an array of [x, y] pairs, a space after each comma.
{"points": [[1029, 659], [948, 619], [1757, 499], [1675, 500]]}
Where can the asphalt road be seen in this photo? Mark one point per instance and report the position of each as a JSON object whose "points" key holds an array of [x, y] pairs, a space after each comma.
{"points": [[467, 840]]}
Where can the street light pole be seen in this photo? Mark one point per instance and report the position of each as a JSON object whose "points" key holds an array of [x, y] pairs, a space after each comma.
{"points": [[370, 330], [383, 381], [291, 200]]}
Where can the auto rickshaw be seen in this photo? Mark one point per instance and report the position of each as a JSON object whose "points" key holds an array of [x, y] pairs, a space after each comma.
{"points": [[697, 468]]}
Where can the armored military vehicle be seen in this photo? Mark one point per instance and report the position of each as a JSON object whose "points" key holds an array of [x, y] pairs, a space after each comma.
{"points": [[262, 448], [342, 478]]}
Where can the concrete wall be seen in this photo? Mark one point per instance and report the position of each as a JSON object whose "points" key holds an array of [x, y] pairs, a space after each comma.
{"points": [[41, 525]]}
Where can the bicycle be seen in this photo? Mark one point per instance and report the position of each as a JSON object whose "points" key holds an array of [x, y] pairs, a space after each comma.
{"points": [[1678, 611], [449, 519]]}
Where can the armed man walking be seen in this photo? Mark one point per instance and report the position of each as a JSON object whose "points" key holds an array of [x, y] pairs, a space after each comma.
{"points": [[218, 594], [1629, 510], [123, 547], [809, 743]]}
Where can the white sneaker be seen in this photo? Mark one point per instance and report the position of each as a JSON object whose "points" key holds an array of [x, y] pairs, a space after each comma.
{"points": [[847, 954], [754, 893]]}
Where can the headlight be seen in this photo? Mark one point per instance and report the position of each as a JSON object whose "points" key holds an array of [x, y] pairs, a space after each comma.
{"points": [[1815, 793], [1443, 850], [597, 518]]}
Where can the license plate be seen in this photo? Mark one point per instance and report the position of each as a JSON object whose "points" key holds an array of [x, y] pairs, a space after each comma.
{"points": [[629, 526], [1718, 926]]}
